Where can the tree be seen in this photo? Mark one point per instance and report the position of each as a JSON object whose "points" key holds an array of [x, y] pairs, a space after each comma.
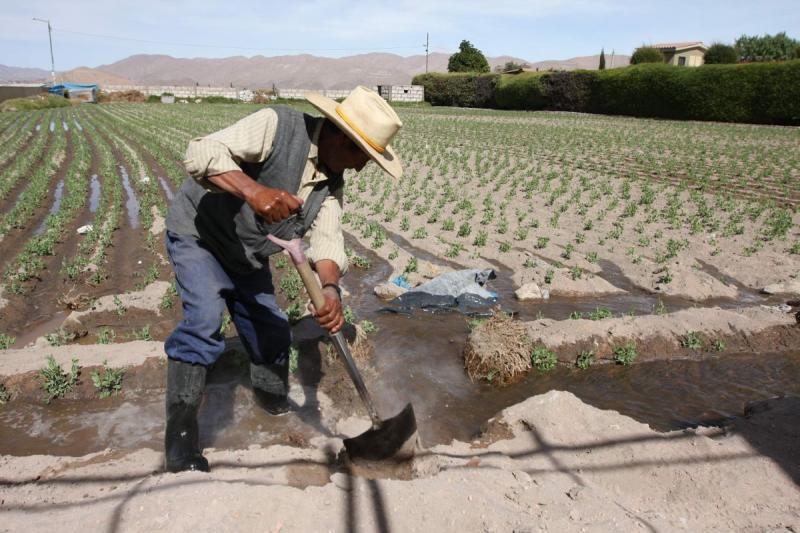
{"points": [[467, 59], [719, 53], [776, 47], [647, 54], [602, 59]]}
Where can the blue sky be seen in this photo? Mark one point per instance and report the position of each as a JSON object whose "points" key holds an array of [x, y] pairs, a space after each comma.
{"points": [[533, 30]]}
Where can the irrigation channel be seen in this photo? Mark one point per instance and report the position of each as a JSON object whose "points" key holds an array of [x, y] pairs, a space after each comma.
{"points": [[416, 358]]}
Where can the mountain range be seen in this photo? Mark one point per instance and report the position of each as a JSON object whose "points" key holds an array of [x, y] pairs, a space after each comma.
{"points": [[294, 71]]}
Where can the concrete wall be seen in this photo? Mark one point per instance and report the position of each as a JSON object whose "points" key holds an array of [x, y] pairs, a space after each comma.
{"points": [[693, 58], [392, 93], [186, 91], [8, 92]]}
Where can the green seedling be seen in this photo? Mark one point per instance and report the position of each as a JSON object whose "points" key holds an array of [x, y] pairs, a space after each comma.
{"points": [[294, 359], [692, 340], [349, 315], [105, 335], [625, 354], [411, 265], [585, 359], [543, 359], [6, 341], [600, 313], [60, 337], [368, 326], [110, 382], [718, 345], [55, 382]]}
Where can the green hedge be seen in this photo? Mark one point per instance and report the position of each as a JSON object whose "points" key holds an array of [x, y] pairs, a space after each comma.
{"points": [[767, 93], [520, 91], [458, 89]]}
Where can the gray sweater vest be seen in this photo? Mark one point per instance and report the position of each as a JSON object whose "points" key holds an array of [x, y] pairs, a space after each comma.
{"points": [[228, 227]]}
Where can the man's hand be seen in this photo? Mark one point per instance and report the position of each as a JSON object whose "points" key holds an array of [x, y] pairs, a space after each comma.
{"points": [[331, 316], [273, 205]]}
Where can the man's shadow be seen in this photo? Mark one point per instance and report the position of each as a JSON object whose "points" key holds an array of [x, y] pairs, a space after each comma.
{"points": [[232, 371]]}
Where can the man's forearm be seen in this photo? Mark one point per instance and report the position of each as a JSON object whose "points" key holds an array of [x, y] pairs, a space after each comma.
{"points": [[328, 271], [235, 182]]}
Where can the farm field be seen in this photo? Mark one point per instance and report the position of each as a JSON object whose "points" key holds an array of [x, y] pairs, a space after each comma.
{"points": [[669, 248]]}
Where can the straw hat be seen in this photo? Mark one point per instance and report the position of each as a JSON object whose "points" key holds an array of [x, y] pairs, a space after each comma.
{"points": [[368, 120]]}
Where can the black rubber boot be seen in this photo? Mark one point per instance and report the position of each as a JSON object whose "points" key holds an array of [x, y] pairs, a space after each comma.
{"points": [[271, 387], [185, 384]]}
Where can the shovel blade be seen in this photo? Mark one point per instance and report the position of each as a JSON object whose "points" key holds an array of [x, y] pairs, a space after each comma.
{"points": [[394, 438]]}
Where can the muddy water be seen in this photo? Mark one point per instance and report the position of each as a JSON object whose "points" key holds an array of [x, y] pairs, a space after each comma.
{"points": [[132, 203], [94, 194], [417, 358], [167, 190], [59, 192]]}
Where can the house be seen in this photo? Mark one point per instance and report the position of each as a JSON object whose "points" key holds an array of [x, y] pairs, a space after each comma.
{"points": [[689, 54]]}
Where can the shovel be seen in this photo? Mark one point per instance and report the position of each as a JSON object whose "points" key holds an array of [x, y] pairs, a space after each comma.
{"points": [[393, 438]]}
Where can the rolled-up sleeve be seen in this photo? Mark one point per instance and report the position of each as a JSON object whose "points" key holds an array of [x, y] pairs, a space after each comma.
{"points": [[326, 237], [248, 140]]}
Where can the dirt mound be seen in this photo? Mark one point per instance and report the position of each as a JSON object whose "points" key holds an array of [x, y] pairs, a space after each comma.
{"points": [[498, 350], [690, 333]]}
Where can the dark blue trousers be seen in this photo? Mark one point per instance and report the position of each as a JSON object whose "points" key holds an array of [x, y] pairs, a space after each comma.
{"points": [[207, 289]]}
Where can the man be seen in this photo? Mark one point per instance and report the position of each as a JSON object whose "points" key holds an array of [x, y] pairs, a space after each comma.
{"points": [[277, 171]]}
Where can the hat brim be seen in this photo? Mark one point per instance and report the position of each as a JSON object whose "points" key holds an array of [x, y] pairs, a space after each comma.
{"points": [[388, 160]]}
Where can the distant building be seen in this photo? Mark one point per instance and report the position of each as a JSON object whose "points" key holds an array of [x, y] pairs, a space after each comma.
{"points": [[75, 91], [683, 54]]}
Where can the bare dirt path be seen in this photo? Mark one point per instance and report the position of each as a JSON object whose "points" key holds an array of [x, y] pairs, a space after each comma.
{"points": [[559, 465]]}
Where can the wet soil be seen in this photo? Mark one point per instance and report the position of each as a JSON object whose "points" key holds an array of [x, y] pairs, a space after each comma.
{"points": [[415, 358]]}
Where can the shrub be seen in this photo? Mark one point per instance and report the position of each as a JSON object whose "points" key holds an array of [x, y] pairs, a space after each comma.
{"points": [[568, 91], [460, 89], [719, 53], [521, 91], [543, 359], [45, 101], [647, 54]]}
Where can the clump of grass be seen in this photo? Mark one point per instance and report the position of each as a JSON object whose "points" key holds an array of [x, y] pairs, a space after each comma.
{"points": [[718, 345], [585, 359], [498, 350], [109, 382], [55, 382], [625, 354], [543, 359]]}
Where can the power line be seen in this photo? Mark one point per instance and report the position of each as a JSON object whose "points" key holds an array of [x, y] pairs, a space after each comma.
{"points": [[202, 45]]}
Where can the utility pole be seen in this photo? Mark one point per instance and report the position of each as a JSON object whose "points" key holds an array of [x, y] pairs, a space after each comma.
{"points": [[427, 45], [50, 36]]}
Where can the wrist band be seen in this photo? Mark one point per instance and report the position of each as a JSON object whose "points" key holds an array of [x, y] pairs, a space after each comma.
{"points": [[336, 287]]}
